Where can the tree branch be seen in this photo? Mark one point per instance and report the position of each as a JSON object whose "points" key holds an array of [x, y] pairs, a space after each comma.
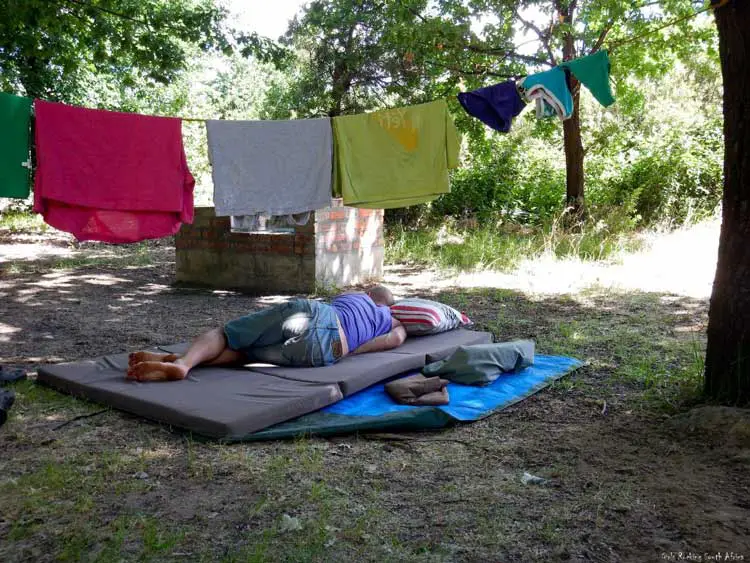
{"points": [[108, 11], [567, 12], [508, 54], [475, 72], [530, 25], [416, 13], [602, 35], [571, 9], [543, 37]]}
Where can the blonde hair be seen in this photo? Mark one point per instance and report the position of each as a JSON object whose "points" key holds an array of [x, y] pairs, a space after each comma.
{"points": [[381, 295]]}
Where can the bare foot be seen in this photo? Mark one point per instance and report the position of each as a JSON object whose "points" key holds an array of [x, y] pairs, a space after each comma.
{"points": [[138, 357], [157, 371]]}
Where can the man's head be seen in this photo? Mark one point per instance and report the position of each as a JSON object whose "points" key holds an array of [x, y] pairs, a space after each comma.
{"points": [[381, 295]]}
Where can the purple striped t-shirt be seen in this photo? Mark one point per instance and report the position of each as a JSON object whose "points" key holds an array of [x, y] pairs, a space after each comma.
{"points": [[361, 319]]}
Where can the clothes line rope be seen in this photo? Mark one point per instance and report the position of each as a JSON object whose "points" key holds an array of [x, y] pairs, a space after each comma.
{"points": [[195, 119], [713, 5]]}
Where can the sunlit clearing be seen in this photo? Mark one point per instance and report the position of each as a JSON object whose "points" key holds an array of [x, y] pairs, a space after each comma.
{"points": [[682, 262], [44, 359], [20, 251], [154, 288], [5, 329], [55, 279]]}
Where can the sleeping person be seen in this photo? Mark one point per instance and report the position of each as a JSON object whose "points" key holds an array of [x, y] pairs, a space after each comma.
{"points": [[299, 332]]}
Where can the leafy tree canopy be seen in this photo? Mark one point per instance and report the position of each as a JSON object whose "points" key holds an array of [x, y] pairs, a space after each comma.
{"points": [[360, 54], [350, 56], [52, 49]]}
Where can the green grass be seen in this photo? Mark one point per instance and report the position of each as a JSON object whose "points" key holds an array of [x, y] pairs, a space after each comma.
{"points": [[22, 222], [138, 256], [632, 341], [669, 378], [490, 247], [73, 494]]}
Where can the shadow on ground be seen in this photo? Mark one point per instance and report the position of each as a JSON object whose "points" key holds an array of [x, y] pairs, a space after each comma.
{"points": [[625, 482]]}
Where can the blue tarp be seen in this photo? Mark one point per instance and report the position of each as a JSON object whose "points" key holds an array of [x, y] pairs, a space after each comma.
{"points": [[373, 409]]}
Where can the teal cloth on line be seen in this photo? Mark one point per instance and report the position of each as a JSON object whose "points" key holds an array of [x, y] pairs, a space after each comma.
{"points": [[552, 86], [593, 72], [15, 162]]}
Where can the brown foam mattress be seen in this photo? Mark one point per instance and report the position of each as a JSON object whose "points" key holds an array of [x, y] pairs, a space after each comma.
{"points": [[227, 403]]}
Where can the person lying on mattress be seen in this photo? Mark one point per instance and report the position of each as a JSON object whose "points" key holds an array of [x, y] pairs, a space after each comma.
{"points": [[300, 332]]}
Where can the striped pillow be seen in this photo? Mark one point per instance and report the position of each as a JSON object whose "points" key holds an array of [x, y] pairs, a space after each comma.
{"points": [[422, 316]]}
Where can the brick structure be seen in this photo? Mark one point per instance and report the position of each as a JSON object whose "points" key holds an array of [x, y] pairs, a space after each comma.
{"points": [[338, 247]]}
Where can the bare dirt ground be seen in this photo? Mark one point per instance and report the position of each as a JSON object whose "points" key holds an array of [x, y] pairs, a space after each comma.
{"points": [[636, 471]]}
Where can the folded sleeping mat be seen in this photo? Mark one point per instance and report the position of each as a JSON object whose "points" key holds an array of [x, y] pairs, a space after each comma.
{"points": [[232, 403]]}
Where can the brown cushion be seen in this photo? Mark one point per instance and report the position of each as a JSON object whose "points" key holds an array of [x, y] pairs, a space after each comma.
{"points": [[439, 346], [228, 403], [216, 402], [352, 373]]}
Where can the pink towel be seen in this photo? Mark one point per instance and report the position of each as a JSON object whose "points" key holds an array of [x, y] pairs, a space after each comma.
{"points": [[110, 176]]}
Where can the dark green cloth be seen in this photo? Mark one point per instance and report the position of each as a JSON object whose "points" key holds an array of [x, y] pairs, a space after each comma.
{"points": [[15, 116], [593, 72], [481, 364]]}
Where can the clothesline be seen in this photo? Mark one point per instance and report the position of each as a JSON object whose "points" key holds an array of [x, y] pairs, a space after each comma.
{"points": [[149, 188], [713, 5], [196, 119], [141, 187]]}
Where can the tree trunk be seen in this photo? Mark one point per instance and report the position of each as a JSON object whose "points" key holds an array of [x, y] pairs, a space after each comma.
{"points": [[574, 155], [727, 377], [31, 80], [572, 130]]}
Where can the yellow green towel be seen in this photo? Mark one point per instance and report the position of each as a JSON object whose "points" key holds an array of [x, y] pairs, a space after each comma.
{"points": [[396, 157], [15, 164]]}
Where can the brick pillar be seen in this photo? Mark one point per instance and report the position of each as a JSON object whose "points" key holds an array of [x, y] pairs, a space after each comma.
{"points": [[209, 254], [340, 246], [348, 245]]}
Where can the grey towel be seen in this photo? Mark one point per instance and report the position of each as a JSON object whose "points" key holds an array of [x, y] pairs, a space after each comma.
{"points": [[271, 167], [481, 364]]}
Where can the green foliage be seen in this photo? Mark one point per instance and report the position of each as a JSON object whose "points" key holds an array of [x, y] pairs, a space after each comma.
{"points": [[516, 184], [656, 156], [52, 50], [664, 162], [682, 185], [501, 246], [350, 56], [59, 49]]}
